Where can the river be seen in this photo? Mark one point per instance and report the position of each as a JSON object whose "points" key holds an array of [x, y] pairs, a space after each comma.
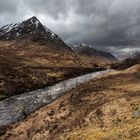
{"points": [[17, 107]]}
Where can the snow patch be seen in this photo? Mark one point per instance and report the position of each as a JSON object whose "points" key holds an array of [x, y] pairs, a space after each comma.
{"points": [[53, 35], [81, 46], [9, 27], [17, 34], [36, 23], [32, 21]]}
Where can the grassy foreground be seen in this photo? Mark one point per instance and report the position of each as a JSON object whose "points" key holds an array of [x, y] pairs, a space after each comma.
{"points": [[107, 108]]}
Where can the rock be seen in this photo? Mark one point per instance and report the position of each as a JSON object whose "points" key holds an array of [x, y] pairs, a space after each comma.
{"points": [[52, 127], [61, 105], [50, 113], [136, 114]]}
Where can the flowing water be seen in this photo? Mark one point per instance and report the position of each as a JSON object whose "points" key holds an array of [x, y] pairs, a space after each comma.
{"points": [[19, 106]]}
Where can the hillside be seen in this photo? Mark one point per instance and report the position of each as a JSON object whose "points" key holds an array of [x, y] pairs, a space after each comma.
{"points": [[106, 108], [32, 57], [26, 66]]}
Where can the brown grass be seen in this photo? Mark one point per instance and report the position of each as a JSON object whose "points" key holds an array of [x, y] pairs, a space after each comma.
{"points": [[26, 66], [106, 108]]}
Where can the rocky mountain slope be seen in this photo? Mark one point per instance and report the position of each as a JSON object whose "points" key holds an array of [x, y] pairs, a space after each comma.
{"points": [[106, 108], [92, 52], [31, 28]]}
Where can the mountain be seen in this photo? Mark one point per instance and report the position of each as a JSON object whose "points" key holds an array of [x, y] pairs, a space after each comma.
{"points": [[136, 55], [133, 59], [31, 29], [92, 52], [33, 57]]}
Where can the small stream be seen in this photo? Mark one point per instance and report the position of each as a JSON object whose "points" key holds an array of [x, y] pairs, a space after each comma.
{"points": [[17, 107]]}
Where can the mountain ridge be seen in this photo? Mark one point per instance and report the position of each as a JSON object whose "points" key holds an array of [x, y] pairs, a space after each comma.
{"points": [[89, 50]]}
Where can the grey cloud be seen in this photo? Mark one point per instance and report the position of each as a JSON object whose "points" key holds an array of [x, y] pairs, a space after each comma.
{"points": [[103, 23], [11, 11], [8, 6], [50, 7]]}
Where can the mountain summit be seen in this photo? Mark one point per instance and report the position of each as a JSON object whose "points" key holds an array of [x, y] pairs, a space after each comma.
{"points": [[31, 28]]}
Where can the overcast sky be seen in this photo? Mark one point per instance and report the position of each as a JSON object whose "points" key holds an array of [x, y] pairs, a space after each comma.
{"points": [[112, 24]]}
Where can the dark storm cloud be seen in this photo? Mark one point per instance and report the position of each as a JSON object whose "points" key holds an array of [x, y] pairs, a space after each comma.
{"points": [[8, 6], [52, 8], [114, 22], [96, 22], [11, 11]]}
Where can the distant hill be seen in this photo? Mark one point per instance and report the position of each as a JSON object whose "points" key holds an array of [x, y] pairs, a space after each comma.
{"points": [[128, 62], [88, 50]]}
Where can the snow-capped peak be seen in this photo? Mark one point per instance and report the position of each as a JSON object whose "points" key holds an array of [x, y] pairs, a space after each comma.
{"points": [[81, 46], [31, 26], [34, 21]]}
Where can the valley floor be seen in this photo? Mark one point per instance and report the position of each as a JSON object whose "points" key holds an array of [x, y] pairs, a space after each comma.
{"points": [[106, 108]]}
